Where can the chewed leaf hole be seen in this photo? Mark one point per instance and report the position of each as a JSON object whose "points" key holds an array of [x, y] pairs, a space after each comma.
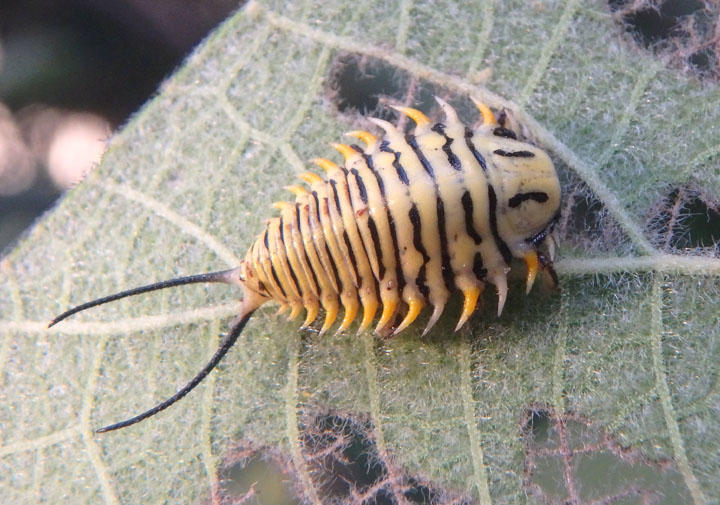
{"points": [[585, 224], [341, 459], [686, 219], [683, 30], [358, 83], [538, 424], [569, 459], [256, 477], [364, 85]]}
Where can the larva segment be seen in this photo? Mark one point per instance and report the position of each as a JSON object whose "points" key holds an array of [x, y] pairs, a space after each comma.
{"points": [[482, 206], [398, 206], [359, 201], [279, 261], [316, 227], [359, 214], [413, 210], [347, 233], [300, 270], [331, 212], [339, 261], [302, 276], [325, 265], [253, 261], [376, 226], [308, 226]]}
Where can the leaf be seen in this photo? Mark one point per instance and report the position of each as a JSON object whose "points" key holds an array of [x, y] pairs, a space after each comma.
{"points": [[631, 342]]}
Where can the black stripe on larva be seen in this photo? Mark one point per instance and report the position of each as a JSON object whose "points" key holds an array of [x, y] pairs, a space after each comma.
{"points": [[538, 196], [384, 146], [398, 266], [391, 222], [421, 283], [333, 266], [479, 157], [351, 252], [501, 131], [467, 203], [371, 165], [414, 216], [346, 239], [376, 244], [336, 197], [317, 203], [302, 247], [447, 149], [265, 240], [514, 154], [289, 263], [412, 142], [400, 170], [360, 185], [357, 148], [501, 245], [277, 280], [281, 227], [478, 269], [447, 272]]}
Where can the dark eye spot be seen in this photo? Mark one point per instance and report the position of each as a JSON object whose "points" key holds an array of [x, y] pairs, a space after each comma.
{"points": [[513, 154], [501, 131], [538, 196]]}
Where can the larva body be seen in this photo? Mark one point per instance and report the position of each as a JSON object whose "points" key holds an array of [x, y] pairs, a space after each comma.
{"points": [[405, 222]]}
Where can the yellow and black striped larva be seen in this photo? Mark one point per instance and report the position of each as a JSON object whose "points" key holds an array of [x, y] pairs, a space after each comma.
{"points": [[405, 222]]}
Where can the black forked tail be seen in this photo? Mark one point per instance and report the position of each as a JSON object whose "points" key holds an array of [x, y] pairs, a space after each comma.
{"points": [[225, 345], [226, 276], [221, 276]]}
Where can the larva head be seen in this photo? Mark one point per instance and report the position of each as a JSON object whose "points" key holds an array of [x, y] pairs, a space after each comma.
{"points": [[528, 192]]}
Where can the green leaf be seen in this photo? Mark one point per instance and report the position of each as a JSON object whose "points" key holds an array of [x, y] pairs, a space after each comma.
{"points": [[629, 348]]}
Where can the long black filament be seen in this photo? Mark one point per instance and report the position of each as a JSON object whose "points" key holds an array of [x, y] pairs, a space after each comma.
{"points": [[227, 342], [225, 276], [221, 276]]}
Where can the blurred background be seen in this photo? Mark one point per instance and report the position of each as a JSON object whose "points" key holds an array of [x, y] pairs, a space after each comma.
{"points": [[71, 73]]}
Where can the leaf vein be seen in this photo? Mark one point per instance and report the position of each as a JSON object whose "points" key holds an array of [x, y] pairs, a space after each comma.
{"points": [[476, 452], [184, 224], [91, 447], [661, 383], [547, 51]]}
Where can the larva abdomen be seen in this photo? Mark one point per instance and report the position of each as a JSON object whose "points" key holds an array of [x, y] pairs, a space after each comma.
{"points": [[405, 221]]}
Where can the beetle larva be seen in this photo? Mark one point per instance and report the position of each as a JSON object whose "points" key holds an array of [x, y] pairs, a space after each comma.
{"points": [[405, 222]]}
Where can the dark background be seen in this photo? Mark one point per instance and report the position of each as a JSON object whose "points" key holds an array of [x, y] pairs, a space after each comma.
{"points": [[102, 57]]}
